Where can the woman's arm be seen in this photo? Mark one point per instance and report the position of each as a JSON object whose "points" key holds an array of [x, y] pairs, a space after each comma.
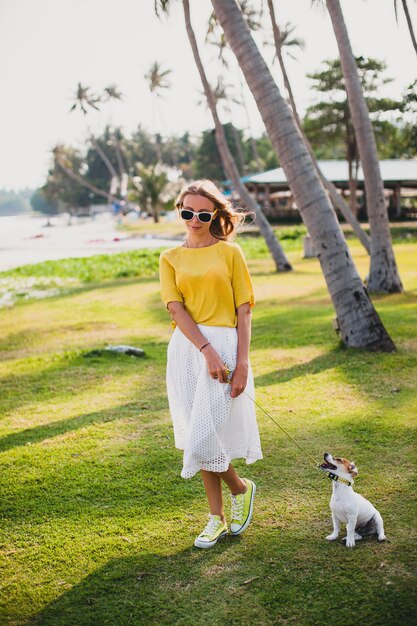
{"points": [[189, 328], [240, 375]]}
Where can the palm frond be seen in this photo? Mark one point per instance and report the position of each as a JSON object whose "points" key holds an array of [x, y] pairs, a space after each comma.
{"points": [[157, 78], [288, 41], [250, 14], [396, 11], [84, 99], [213, 25], [112, 92], [161, 6]]}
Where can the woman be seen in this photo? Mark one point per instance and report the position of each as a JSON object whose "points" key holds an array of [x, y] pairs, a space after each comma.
{"points": [[206, 287]]}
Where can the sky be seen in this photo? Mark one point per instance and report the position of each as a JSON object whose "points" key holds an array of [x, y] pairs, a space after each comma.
{"points": [[48, 46]]}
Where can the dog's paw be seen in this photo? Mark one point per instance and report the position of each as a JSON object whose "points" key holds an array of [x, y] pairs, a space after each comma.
{"points": [[381, 537], [350, 542], [332, 537]]}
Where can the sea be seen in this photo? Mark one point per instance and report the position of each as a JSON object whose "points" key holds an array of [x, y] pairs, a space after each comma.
{"points": [[27, 239]]}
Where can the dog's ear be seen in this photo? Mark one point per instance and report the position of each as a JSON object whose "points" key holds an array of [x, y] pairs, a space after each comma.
{"points": [[352, 469]]}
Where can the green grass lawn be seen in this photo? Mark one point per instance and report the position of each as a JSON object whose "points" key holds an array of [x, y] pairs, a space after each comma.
{"points": [[97, 525]]}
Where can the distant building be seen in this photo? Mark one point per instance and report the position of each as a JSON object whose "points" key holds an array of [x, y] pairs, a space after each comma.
{"points": [[272, 192]]}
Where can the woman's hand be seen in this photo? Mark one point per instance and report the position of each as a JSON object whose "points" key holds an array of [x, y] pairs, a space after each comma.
{"points": [[239, 380], [215, 365]]}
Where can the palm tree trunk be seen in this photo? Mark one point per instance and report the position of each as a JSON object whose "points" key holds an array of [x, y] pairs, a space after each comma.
{"points": [[281, 262], [352, 186], [409, 24], [278, 48], [383, 274], [79, 179], [337, 201], [359, 323], [103, 157], [254, 148], [115, 181], [239, 151], [155, 212], [119, 157]]}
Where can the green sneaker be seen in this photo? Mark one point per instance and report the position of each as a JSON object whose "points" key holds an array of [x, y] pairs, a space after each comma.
{"points": [[242, 508], [212, 532]]}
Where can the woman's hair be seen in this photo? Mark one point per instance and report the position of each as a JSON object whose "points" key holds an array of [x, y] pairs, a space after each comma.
{"points": [[227, 220]]}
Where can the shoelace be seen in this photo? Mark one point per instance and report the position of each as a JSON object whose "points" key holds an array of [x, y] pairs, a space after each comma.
{"points": [[211, 527], [238, 503]]}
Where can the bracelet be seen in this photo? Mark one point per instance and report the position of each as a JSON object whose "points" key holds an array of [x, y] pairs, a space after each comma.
{"points": [[204, 346]]}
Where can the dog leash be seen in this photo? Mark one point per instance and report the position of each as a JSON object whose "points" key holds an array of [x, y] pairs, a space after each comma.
{"points": [[229, 373], [327, 473], [283, 429]]}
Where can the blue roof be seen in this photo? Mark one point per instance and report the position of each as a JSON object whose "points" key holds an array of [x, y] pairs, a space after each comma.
{"points": [[244, 179]]}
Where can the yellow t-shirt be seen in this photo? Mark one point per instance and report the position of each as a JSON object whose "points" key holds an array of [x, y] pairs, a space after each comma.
{"points": [[211, 282]]}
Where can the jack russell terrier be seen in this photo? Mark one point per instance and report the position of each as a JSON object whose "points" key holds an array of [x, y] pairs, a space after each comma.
{"points": [[360, 516]]}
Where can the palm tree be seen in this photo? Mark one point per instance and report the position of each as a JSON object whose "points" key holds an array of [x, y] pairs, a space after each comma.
{"points": [[149, 185], [409, 22], [158, 82], [359, 323], [224, 97], [255, 153], [383, 273], [216, 38], [229, 165], [84, 101], [157, 79], [112, 93], [280, 36], [285, 39]]}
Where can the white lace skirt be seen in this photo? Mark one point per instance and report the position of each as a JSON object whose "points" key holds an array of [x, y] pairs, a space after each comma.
{"points": [[209, 426]]}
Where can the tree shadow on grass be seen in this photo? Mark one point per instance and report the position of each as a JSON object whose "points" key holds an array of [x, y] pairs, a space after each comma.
{"points": [[37, 434], [72, 372], [281, 578], [384, 381], [306, 325], [131, 479], [275, 324], [158, 310], [307, 319], [127, 474], [321, 363], [261, 272], [140, 589], [25, 338]]}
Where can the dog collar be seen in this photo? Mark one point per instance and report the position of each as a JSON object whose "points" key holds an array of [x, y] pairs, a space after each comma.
{"points": [[337, 478]]}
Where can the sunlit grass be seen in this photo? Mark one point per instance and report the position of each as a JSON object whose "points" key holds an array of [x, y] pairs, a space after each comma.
{"points": [[97, 525]]}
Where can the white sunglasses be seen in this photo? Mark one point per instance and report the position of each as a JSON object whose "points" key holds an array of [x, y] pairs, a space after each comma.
{"points": [[203, 216]]}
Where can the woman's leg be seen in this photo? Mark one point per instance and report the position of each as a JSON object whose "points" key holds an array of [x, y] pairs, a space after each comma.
{"points": [[233, 481], [242, 497], [213, 487]]}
